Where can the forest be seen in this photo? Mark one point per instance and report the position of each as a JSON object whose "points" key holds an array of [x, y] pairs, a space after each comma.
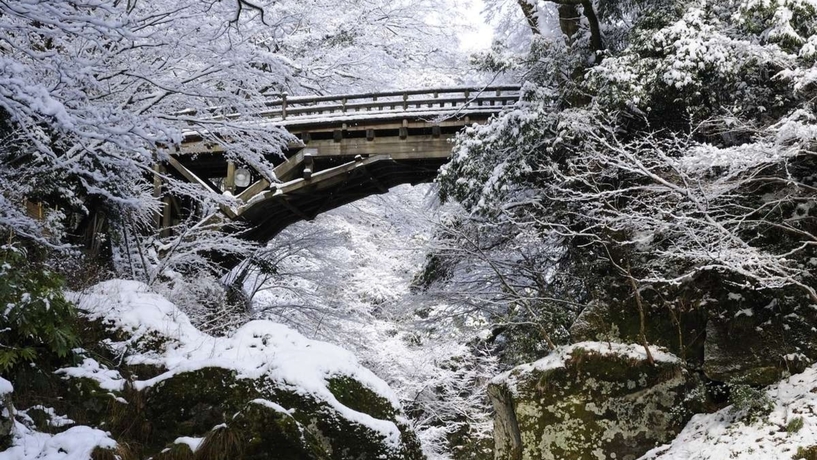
{"points": [[617, 258]]}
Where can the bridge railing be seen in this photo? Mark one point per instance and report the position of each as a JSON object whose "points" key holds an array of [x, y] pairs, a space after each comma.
{"points": [[283, 108], [432, 100]]}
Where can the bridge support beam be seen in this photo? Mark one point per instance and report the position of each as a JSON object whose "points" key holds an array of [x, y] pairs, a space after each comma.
{"points": [[229, 181]]}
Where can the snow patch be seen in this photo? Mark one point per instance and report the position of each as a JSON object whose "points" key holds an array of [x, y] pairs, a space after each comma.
{"points": [[75, 443], [774, 437], [5, 387], [558, 358], [108, 379], [192, 443]]}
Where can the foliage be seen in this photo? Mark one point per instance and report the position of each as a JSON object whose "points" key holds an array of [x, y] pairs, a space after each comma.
{"points": [[679, 165], [37, 322], [806, 453], [752, 403], [794, 425]]}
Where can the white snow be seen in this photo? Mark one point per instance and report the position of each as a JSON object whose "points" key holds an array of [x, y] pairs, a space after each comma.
{"points": [[723, 435], [54, 419], [75, 443], [274, 406], [558, 358], [5, 387], [259, 348], [193, 443], [108, 379]]}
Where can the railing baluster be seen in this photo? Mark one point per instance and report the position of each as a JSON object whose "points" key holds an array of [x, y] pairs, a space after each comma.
{"points": [[284, 106]]}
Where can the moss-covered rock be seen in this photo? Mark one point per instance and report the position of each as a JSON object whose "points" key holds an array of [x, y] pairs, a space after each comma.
{"points": [[759, 339], [677, 326], [735, 334], [270, 420], [588, 401], [6, 421]]}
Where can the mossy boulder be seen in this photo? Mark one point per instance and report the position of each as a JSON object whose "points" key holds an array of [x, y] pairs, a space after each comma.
{"points": [[262, 392], [271, 421], [6, 421], [724, 327], [588, 401], [677, 326], [760, 338]]}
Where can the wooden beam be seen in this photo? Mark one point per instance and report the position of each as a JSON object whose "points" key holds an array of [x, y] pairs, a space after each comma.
{"points": [[294, 210], [414, 147], [309, 165], [375, 181], [285, 171], [229, 180], [189, 175]]}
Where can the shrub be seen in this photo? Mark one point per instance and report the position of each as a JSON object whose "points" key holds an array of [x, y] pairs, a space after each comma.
{"points": [[794, 425], [35, 319], [753, 403]]}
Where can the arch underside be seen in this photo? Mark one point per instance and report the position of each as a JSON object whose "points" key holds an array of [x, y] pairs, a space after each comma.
{"points": [[270, 216]]}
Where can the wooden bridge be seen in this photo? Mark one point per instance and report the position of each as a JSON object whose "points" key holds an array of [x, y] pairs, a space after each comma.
{"points": [[348, 147]]}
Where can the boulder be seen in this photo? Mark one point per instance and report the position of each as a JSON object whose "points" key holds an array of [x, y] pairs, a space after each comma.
{"points": [[267, 420], [6, 413], [759, 340], [589, 400]]}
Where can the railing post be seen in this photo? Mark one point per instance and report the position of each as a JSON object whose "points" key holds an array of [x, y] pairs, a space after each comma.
{"points": [[405, 101], [284, 106], [164, 218], [343, 102], [157, 191], [229, 181]]}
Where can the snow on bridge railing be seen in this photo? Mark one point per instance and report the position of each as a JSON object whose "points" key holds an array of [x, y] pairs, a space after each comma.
{"points": [[438, 99], [442, 100]]}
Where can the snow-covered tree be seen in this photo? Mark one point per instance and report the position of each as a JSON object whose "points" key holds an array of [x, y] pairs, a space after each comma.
{"points": [[680, 160], [95, 93]]}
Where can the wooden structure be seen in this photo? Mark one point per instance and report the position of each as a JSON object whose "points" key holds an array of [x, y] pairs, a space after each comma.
{"points": [[349, 147]]}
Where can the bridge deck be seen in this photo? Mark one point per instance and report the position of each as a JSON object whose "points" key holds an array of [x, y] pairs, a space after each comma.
{"points": [[348, 147]]}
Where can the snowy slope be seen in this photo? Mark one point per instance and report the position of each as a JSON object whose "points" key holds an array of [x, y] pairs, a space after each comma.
{"points": [[791, 426]]}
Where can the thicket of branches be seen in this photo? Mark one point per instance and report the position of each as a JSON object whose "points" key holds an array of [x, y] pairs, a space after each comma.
{"points": [[670, 167]]}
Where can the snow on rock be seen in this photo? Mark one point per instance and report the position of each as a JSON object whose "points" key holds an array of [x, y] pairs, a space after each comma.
{"points": [[108, 379], [75, 443], [791, 426], [271, 405], [560, 355], [192, 443], [257, 349], [5, 387]]}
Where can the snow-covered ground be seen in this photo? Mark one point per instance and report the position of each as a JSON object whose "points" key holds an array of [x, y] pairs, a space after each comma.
{"points": [[784, 434]]}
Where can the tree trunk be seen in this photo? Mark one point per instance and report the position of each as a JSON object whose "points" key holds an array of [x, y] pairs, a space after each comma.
{"points": [[569, 20], [529, 10]]}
